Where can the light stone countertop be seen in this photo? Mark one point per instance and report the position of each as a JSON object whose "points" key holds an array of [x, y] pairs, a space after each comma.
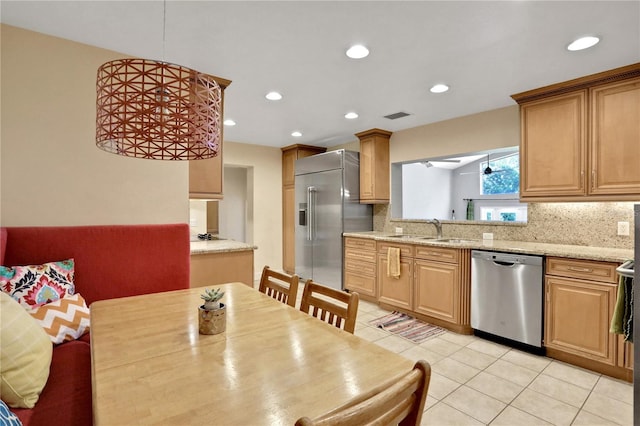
{"points": [[219, 246], [525, 247]]}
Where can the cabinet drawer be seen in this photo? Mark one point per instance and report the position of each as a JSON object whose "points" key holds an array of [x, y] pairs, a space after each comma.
{"points": [[360, 243], [583, 269], [441, 254], [359, 254], [360, 283], [360, 267], [406, 250]]}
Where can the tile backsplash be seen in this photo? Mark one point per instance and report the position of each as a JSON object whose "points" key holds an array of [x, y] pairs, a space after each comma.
{"points": [[587, 224]]}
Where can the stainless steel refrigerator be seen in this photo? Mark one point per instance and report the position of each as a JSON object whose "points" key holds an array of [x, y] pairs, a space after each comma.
{"points": [[327, 204]]}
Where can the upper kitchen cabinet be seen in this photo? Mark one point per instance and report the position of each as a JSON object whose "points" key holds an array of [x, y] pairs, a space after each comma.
{"points": [[205, 176], [289, 156], [374, 166], [579, 139]]}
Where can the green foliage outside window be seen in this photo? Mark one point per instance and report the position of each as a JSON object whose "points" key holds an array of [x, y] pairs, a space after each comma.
{"points": [[505, 178]]}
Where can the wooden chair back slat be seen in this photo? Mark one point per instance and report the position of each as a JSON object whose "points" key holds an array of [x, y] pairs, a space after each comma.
{"points": [[399, 401], [333, 306], [280, 286]]}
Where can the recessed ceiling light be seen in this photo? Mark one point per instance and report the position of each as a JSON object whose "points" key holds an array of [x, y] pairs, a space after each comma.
{"points": [[273, 96], [351, 115], [296, 134], [357, 51], [583, 43], [229, 122], [439, 88]]}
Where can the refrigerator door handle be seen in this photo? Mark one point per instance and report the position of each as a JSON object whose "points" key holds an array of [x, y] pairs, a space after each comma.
{"points": [[311, 213]]}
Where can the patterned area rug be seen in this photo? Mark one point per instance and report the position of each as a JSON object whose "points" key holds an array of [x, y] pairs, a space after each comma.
{"points": [[408, 327]]}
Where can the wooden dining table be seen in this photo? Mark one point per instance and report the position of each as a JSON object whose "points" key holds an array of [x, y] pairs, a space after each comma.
{"points": [[272, 365]]}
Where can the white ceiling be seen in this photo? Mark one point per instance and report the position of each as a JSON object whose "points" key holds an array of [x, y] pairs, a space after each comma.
{"points": [[484, 50]]}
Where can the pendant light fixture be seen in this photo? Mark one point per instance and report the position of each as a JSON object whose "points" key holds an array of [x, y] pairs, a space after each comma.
{"points": [[158, 110]]}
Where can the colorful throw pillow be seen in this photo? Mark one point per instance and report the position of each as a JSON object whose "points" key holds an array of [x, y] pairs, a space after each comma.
{"points": [[25, 357], [7, 417], [65, 319], [36, 285]]}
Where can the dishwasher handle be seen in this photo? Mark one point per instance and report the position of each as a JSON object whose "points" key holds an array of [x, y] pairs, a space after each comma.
{"points": [[502, 263]]}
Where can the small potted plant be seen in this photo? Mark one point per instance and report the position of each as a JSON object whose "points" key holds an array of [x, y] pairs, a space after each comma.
{"points": [[212, 315]]}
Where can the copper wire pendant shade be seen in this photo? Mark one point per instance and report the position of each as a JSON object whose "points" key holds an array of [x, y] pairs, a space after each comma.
{"points": [[157, 110]]}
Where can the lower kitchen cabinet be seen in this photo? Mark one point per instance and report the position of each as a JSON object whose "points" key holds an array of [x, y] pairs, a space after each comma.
{"points": [[578, 314], [360, 267], [579, 304], [434, 284], [396, 291], [437, 290]]}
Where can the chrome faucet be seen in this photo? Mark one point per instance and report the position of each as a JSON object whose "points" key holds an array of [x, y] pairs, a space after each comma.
{"points": [[438, 225]]}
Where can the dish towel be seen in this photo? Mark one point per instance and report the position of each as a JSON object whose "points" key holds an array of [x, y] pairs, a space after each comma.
{"points": [[470, 210], [622, 320], [393, 262]]}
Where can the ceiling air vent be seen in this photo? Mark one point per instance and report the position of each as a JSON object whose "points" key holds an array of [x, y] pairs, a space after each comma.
{"points": [[396, 115]]}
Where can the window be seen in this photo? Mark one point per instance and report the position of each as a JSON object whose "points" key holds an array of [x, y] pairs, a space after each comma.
{"points": [[504, 177]]}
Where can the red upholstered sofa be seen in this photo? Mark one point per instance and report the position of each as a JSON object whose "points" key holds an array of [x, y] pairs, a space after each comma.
{"points": [[110, 261]]}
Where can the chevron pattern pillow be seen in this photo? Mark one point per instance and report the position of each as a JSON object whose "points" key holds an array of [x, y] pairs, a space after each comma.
{"points": [[65, 319]]}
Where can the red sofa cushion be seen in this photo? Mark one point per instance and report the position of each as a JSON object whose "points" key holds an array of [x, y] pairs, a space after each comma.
{"points": [[111, 260], [66, 399]]}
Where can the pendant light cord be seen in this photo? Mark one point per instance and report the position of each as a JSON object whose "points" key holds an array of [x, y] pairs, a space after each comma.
{"points": [[164, 27]]}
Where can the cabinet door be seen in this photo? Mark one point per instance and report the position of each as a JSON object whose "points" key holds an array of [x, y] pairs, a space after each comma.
{"points": [[205, 178], [436, 290], [367, 169], [288, 230], [577, 318], [553, 146], [615, 138], [396, 291]]}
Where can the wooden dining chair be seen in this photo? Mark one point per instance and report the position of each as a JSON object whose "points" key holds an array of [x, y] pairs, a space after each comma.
{"points": [[336, 307], [399, 401], [280, 286]]}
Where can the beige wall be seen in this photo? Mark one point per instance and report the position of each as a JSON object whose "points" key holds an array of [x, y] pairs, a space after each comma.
{"points": [[51, 171], [266, 163]]}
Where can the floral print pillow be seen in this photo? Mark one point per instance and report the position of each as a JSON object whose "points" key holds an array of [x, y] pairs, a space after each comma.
{"points": [[37, 285]]}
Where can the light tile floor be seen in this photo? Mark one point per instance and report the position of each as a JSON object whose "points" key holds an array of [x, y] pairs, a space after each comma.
{"points": [[478, 382]]}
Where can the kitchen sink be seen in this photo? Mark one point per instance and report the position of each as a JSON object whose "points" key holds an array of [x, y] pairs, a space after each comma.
{"points": [[449, 240]]}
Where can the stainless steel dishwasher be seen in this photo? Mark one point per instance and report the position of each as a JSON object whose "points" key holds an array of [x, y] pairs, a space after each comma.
{"points": [[506, 296]]}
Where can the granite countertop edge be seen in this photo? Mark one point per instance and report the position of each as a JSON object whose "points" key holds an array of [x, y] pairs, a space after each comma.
{"points": [[219, 246], [606, 254]]}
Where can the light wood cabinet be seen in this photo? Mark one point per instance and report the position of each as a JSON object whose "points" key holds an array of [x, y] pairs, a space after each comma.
{"points": [[397, 292], [437, 283], [579, 139], [577, 318], [289, 156], [553, 146], [360, 267], [579, 303], [206, 176], [434, 284], [615, 138], [374, 166]]}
